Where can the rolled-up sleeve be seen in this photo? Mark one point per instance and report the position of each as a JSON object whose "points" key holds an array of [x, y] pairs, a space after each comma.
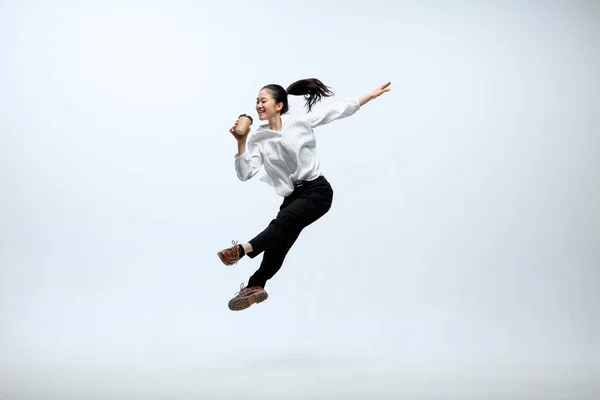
{"points": [[248, 163], [337, 110]]}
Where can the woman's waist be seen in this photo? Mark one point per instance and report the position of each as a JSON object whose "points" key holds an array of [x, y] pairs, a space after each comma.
{"points": [[308, 181]]}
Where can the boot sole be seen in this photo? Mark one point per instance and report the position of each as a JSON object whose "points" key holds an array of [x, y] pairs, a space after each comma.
{"points": [[242, 303]]}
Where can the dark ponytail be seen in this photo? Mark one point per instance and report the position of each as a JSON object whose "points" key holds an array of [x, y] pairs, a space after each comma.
{"points": [[312, 89]]}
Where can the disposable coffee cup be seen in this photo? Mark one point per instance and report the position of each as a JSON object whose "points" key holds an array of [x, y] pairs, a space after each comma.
{"points": [[244, 122]]}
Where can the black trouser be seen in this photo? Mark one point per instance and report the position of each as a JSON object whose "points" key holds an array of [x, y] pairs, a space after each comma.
{"points": [[309, 201]]}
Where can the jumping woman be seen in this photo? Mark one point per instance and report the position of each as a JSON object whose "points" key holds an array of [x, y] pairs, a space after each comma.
{"points": [[286, 147]]}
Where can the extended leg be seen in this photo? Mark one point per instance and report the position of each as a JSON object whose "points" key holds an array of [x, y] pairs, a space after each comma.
{"points": [[277, 239]]}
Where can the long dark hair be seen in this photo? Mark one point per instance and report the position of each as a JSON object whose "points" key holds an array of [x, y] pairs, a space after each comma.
{"points": [[312, 89]]}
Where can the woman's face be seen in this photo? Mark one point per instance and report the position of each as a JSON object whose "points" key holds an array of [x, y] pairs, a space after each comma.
{"points": [[265, 105]]}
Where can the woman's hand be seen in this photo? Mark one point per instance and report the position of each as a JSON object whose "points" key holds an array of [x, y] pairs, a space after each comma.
{"points": [[381, 90], [235, 135], [374, 94]]}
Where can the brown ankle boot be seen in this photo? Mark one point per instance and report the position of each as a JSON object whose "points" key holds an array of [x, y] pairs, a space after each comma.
{"points": [[231, 255], [246, 297]]}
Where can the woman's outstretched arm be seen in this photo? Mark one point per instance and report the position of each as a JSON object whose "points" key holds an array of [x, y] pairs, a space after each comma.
{"points": [[343, 109]]}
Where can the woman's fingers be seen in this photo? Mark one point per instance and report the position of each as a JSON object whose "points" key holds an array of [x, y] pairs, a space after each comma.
{"points": [[382, 89]]}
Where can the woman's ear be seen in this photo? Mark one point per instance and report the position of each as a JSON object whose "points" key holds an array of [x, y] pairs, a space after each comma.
{"points": [[279, 107]]}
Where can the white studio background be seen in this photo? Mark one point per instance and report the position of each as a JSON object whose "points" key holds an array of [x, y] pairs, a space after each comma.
{"points": [[460, 256]]}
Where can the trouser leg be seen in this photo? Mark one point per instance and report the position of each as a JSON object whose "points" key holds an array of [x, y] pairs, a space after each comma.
{"points": [[273, 259], [295, 214], [277, 239]]}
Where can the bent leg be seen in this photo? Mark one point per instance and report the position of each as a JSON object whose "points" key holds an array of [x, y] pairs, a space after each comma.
{"points": [[290, 220]]}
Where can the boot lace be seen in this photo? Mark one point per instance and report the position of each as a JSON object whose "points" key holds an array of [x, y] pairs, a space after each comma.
{"points": [[242, 289], [236, 251]]}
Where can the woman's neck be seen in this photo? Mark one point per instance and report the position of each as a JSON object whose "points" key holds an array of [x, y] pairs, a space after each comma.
{"points": [[275, 123]]}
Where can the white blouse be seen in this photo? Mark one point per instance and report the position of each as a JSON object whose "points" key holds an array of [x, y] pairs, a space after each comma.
{"points": [[290, 155]]}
